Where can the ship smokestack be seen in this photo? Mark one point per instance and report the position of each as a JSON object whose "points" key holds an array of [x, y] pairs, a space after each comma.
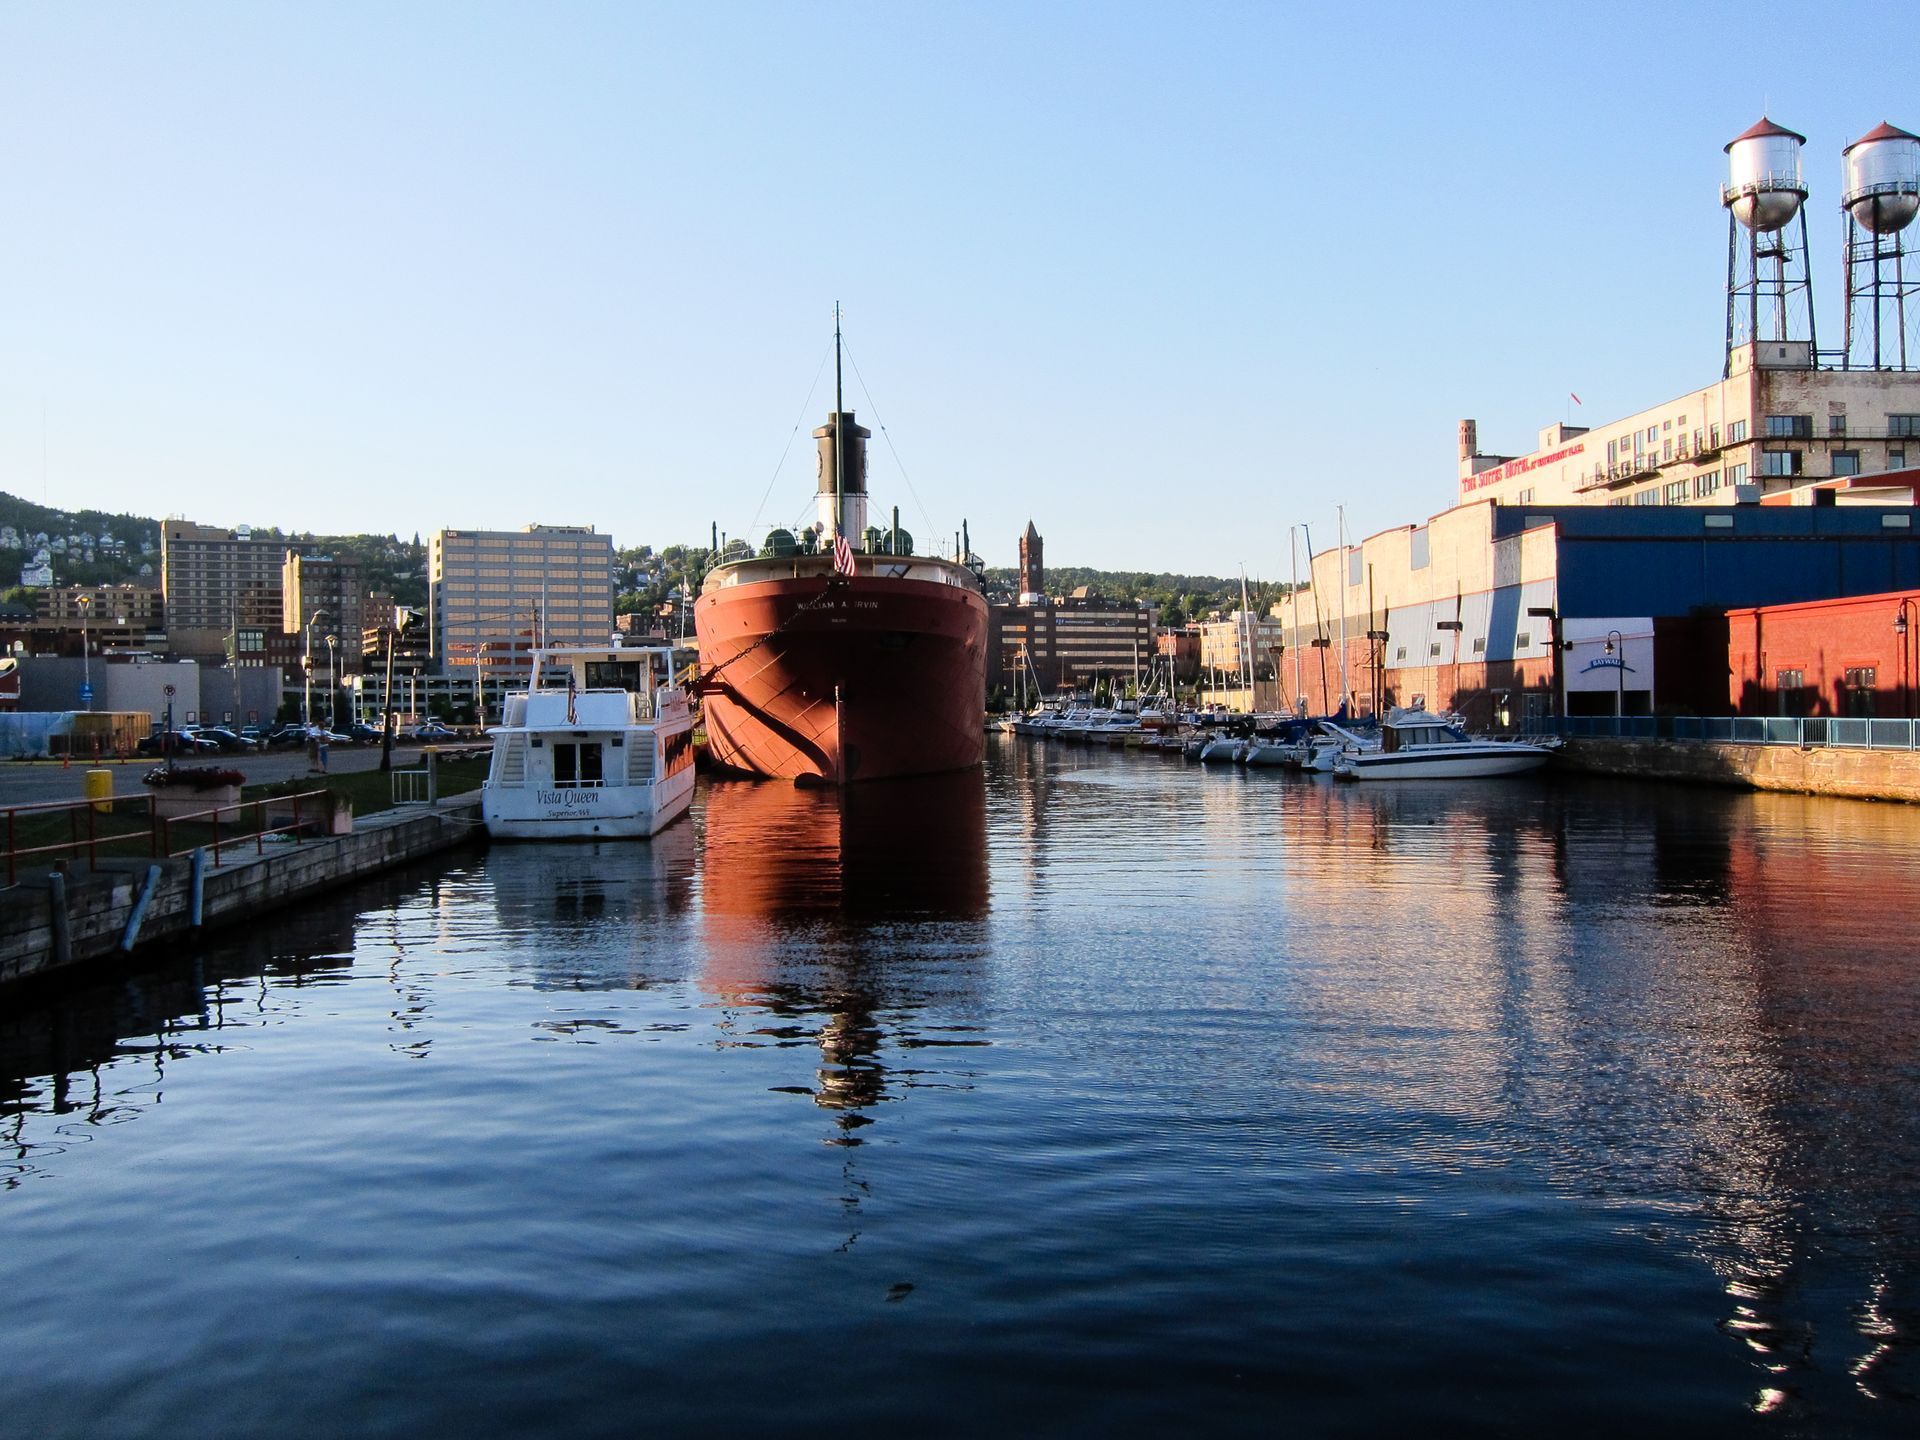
{"points": [[854, 476]]}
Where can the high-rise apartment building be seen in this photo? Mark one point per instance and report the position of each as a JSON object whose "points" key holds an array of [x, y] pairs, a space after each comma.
{"points": [[493, 594], [324, 592], [214, 582]]}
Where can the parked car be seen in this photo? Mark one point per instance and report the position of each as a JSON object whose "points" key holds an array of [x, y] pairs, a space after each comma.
{"points": [[432, 730], [226, 739], [287, 735], [175, 742], [362, 733]]}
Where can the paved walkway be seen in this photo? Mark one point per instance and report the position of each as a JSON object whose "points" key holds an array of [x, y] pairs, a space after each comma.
{"points": [[34, 782]]}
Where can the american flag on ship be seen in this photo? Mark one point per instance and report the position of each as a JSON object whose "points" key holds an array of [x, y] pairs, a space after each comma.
{"points": [[572, 691], [842, 554]]}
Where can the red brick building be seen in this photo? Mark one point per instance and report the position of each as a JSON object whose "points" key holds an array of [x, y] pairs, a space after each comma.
{"points": [[1858, 657]]}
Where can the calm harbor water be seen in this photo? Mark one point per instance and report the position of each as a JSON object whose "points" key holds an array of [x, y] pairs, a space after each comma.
{"points": [[1107, 1093]]}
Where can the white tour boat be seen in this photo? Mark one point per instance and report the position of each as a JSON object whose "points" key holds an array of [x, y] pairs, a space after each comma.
{"points": [[1417, 745], [607, 754]]}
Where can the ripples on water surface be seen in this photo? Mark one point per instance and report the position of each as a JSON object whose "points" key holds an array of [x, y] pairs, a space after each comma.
{"points": [[1109, 1094]]}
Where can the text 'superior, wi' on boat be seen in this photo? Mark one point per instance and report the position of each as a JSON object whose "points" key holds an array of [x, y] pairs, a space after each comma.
{"points": [[847, 658]]}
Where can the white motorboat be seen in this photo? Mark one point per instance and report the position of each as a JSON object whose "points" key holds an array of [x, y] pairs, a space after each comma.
{"points": [[608, 754], [1223, 750], [1268, 750], [1421, 746]]}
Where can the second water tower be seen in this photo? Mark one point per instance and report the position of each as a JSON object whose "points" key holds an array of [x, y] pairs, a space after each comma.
{"points": [[1881, 196]]}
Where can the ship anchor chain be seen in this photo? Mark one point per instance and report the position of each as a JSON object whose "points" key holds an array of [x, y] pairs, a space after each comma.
{"points": [[835, 583]]}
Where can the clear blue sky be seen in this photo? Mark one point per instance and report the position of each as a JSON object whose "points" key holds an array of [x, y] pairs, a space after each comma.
{"points": [[1165, 279]]}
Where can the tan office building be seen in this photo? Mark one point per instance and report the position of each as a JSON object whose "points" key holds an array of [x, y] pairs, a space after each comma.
{"points": [[493, 594]]}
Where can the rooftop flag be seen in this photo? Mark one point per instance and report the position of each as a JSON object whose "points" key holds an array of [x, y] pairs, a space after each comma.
{"points": [[1576, 398], [572, 691]]}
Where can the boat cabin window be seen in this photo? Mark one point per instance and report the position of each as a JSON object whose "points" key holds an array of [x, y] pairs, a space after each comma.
{"points": [[629, 675], [576, 766]]}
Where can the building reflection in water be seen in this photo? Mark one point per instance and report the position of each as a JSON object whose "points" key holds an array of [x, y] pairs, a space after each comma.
{"points": [[1691, 1000], [842, 917]]}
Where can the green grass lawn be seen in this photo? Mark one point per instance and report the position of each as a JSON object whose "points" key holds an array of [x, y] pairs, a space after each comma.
{"points": [[371, 791]]}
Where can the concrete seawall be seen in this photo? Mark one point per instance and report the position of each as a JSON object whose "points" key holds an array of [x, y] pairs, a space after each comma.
{"points": [[35, 941], [1818, 770]]}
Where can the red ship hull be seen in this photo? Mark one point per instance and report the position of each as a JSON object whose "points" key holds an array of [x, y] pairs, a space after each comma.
{"points": [[837, 679]]}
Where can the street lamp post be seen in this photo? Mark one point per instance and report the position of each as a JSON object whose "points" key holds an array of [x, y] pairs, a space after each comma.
{"points": [[1903, 628], [1617, 647], [402, 620], [333, 682], [85, 602], [306, 665], [1552, 616]]}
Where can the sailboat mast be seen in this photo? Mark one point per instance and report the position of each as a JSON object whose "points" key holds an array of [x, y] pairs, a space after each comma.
{"points": [[1293, 607], [839, 440], [1246, 642], [1319, 625], [1345, 575]]}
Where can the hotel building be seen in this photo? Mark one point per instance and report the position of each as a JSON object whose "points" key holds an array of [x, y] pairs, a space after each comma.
{"points": [[493, 594]]}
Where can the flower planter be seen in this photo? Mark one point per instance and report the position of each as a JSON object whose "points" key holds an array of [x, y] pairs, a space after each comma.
{"points": [[170, 802]]}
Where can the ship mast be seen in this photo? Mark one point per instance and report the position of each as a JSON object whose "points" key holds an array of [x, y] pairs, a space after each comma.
{"points": [[839, 441]]}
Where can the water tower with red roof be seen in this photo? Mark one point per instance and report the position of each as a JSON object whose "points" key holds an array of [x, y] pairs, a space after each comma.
{"points": [[1769, 284], [1881, 196]]}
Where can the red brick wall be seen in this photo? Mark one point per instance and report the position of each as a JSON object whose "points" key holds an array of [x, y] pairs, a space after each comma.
{"points": [[1823, 640]]}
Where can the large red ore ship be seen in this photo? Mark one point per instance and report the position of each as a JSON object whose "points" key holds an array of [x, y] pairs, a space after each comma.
{"points": [[840, 656]]}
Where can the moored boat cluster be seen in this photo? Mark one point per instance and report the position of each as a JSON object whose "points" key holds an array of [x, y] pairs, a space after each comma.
{"points": [[1408, 744]]}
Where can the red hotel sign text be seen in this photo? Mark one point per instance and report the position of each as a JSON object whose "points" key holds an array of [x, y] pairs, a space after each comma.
{"points": [[1518, 467]]}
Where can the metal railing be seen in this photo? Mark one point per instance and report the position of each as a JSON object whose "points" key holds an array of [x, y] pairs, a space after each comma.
{"points": [[130, 826], [1802, 732]]}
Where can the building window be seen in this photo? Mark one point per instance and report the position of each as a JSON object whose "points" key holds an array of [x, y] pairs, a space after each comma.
{"points": [[1648, 496], [1433, 650], [1859, 691], [1522, 640], [1836, 425], [1903, 426], [1737, 474], [1705, 485], [1790, 688], [1789, 427], [1736, 432], [1480, 646], [1780, 462], [1401, 653], [1666, 449], [1846, 462], [1675, 493]]}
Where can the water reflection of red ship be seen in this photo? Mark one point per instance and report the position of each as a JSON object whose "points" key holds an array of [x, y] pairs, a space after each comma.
{"points": [[834, 917]]}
